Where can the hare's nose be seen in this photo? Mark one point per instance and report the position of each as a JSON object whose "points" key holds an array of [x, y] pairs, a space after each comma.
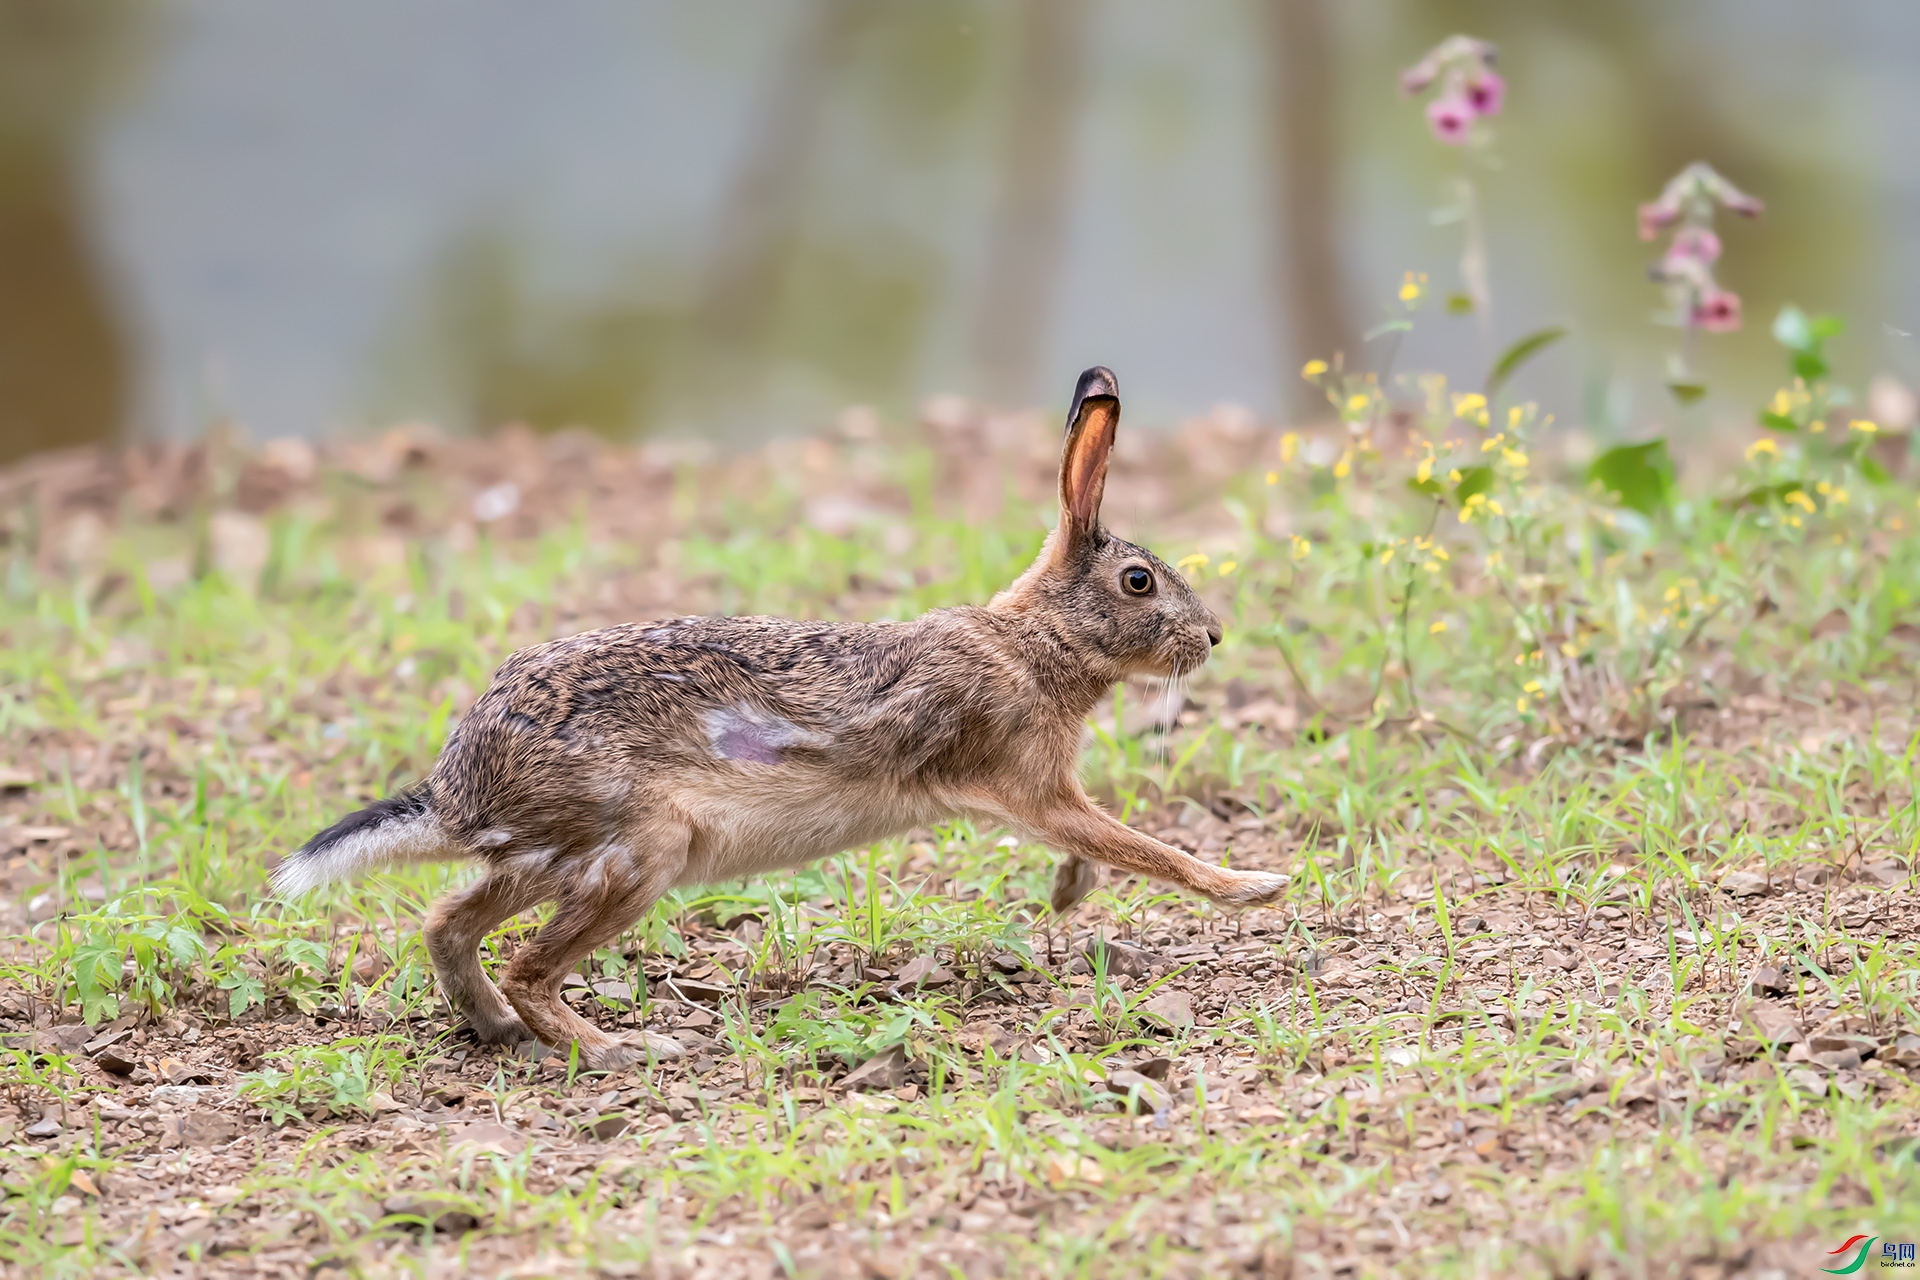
{"points": [[1213, 634]]}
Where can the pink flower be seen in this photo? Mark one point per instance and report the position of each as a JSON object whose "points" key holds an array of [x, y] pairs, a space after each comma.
{"points": [[1717, 311], [1658, 214], [1696, 244], [1485, 92], [1449, 116]]}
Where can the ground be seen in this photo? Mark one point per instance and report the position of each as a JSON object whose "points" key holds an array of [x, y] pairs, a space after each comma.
{"points": [[1598, 956]]}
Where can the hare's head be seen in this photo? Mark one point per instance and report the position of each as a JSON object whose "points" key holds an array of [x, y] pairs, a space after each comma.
{"points": [[1124, 610]]}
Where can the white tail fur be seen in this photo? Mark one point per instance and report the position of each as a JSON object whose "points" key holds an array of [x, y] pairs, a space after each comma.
{"points": [[401, 829]]}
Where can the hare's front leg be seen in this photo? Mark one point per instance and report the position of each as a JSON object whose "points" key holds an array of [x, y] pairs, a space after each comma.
{"points": [[458, 924], [1079, 828], [604, 902]]}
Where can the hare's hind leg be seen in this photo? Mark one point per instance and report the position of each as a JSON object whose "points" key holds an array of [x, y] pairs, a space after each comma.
{"points": [[608, 897], [455, 929]]}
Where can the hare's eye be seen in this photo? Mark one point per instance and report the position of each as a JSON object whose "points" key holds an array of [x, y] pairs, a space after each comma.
{"points": [[1136, 581]]}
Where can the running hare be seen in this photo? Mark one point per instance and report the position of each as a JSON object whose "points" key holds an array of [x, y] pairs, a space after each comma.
{"points": [[600, 771]]}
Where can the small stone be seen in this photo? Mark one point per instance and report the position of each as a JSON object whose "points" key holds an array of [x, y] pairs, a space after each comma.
{"points": [[443, 1220], [175, 1095], [1808, 1081], [882, 1073], [1743, 884], [1837, 1059], [117, 1059], [67, 1039], [922, 971], [1771, 1024], [615, 992], [1560, 960], [1769, 981], [1148, 1096], [178, 1072], [105, 1040], [697, 1019], [1439, 1193], [1903, 1052], [1171, 1009], [1155, 1069], [608, 1127], [44, 1128], [207, 1128], [1009, 963], [381, 1104], [1122, 960]]}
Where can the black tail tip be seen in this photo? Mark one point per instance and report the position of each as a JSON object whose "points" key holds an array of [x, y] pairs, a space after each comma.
{"points": [[1095, 384]]}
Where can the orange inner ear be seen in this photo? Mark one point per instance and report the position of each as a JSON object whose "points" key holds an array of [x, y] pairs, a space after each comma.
{"points": [[1085, 467]]}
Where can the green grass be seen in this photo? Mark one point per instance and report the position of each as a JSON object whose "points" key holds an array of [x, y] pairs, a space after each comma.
{"points": [[1383, 1074]]}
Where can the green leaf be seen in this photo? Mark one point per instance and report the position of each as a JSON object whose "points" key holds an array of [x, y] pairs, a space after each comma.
{"points": [[1810, 364], [1777, 421], [1824, 327], [1873, 471], [1686, 392], [1459, 304], [1519, 353], [1792, 329], [1473, 480], [1431, 487], [1764, 494], [1642, 474]]}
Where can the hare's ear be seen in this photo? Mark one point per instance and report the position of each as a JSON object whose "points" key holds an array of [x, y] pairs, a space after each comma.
{"points": [[1083, 466]]}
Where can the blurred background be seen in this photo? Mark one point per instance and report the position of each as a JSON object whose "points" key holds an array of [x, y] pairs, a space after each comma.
{"points": [[731, 219]]}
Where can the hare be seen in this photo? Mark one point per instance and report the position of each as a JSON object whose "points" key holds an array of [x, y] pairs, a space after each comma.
{"points": [[602, 770]]}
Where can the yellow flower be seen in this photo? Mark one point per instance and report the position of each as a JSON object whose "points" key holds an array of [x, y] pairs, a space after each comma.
{"points": [[1344, 467], [1673, 593], [1273, 477], [1440, 553], [1838, 497], [1437, 627], [1187, 564], [1532, 686], [1409, 291], [1761, 446], [1823, 488], [1358, 402], [1817, 427], [1289, 445], [1228, 566], [1782, 402], [1424, 472], [1795, 521], [1495, 507], [1386, 557], [1301, 547], [1514, 457], [1520, 705], [1492, 442], [1801, 500], [1468, 404], [1862, 424], [1453, 476], [1313, 369]]}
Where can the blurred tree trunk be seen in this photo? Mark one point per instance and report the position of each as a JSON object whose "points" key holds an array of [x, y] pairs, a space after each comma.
{"points": [[757, 219], [1303, 167], [1036, 183], [63, 362]]}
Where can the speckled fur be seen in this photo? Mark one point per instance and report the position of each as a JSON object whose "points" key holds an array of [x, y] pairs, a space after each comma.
{"points": [[601, 770]]}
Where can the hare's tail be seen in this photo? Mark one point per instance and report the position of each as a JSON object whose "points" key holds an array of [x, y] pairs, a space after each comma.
{"points": [[401, 828]]}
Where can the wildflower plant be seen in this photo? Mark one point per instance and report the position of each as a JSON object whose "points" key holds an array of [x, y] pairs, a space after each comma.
{"points": [[1695, 300], [1463, 92]]}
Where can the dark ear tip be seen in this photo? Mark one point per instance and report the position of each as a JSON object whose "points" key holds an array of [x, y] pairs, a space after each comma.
{"points": [[1097, 383]]}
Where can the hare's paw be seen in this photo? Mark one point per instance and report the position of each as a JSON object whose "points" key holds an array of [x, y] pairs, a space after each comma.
{"points": [[627, 1051], [1251, 889], [1073, 880], [502, 1030]]}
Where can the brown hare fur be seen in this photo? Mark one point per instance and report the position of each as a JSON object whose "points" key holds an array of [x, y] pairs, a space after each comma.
{"points": [[599, 771]]}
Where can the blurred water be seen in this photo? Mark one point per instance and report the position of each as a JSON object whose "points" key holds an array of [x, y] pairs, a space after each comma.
{"points": [[734, 217]]}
